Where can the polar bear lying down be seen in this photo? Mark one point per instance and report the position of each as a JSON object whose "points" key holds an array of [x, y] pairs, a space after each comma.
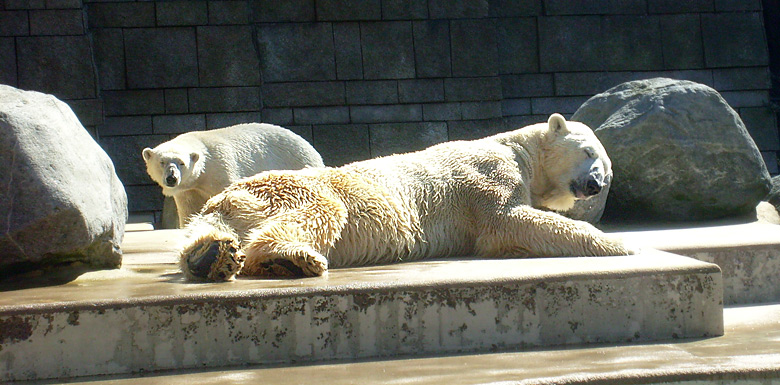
{"points": [[480, 197]]}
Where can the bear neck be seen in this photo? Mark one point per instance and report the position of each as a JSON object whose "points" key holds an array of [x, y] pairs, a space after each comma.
{"points": [[537, 179], [527, 143], [533, 142]]}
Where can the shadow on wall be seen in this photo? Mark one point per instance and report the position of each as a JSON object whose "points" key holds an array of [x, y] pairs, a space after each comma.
{"points": [[373, 78], [772, 24]]}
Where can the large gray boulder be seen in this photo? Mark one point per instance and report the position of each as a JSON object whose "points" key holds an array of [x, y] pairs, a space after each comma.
{"points": [[678, 151], [774, 194], [61, 200]]}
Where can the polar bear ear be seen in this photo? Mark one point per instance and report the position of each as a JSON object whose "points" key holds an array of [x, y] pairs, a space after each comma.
{"points": [[194, 157], [557, 124], [147, 153]]}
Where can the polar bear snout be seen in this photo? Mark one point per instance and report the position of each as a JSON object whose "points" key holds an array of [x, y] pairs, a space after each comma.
{"points": [[172, 176], [592, 187], [588, 186], [171, 181]]}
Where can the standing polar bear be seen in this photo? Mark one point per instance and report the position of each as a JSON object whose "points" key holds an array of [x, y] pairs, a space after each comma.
{"points": [[482, 197], [197, 165]]}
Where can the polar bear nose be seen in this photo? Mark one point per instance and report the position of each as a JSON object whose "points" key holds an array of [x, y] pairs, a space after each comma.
{"points": [[592, 187], [171, 180]]}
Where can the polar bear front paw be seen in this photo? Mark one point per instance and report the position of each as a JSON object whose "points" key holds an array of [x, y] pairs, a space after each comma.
{"points": [[303, 262], [616, 246], [312, 263], [631, 248]]}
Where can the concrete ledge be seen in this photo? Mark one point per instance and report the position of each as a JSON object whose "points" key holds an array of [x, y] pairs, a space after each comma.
{"points": [[145, 318], [747, 354], [748, 254]]}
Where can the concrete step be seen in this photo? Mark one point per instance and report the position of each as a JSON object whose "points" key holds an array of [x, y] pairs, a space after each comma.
{"points": [[747, 253], [747, 354], [143, 317]]}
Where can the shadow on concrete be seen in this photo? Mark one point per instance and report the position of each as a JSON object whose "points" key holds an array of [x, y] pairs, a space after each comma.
{"points": [[27, 276], [764, 212]]}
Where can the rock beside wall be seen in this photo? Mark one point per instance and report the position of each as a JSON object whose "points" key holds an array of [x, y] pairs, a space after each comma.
{"points": [[679, 152], [61, 200], [774, 195]]}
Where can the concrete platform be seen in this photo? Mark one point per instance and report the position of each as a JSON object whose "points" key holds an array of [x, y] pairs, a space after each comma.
{"points": [[748, 254], [143, 317], [747, 354]]}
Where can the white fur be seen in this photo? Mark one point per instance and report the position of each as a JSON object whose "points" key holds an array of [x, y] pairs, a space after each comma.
{"points": [[205, 162], [486, 197]]}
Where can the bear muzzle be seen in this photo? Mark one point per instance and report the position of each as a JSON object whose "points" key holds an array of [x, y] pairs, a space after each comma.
{"points": [[592, 187], [587, 187], [171, 181], [171, 176]]}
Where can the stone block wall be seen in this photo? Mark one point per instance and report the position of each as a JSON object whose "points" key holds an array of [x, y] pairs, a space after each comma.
{"points": [[364, 78], [44, 46]]}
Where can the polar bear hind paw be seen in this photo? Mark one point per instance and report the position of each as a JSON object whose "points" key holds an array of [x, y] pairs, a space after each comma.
{"points": [[213, 260]]}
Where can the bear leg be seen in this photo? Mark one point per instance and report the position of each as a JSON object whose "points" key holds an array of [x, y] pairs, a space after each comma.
{"points": [[188, 203], [526, 231]]}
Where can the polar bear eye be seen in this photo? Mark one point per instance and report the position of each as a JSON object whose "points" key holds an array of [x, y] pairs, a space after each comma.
{"points": [[590, 153]]}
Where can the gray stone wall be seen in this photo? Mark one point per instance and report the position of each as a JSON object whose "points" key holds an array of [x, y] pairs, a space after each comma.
{"points": [[368, 77]]}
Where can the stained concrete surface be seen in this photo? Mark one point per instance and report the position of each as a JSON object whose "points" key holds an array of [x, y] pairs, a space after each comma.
{"points": [[748, 353], [144, 317], [748, 253]]}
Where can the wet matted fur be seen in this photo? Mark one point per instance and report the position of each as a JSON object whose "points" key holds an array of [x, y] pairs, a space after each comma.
{"points": [[487, 197]]}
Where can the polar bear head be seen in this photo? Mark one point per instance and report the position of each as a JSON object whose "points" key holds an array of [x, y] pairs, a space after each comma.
{"points": [[172, 169], [574, 164]]}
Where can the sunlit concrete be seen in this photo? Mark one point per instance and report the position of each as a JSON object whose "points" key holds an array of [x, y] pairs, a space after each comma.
{"points": [[747, 252], [144, 317]]}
